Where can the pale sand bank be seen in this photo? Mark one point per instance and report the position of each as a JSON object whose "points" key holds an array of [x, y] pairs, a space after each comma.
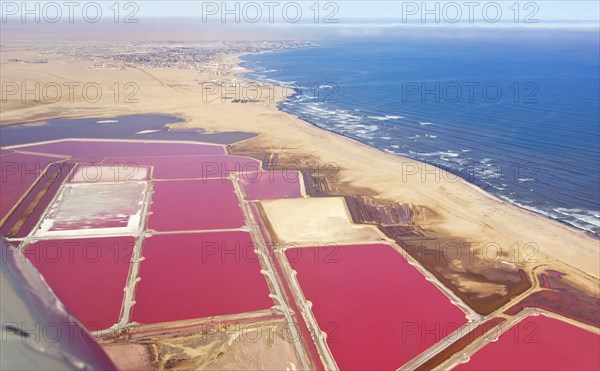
{"points": [[316, 222]]}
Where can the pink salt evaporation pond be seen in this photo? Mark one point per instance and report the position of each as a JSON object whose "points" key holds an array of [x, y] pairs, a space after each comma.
{"points": [[83, 208], [191, 167], [88, 275], [379, 311], [270, 185], [95, 149], [195, 205], [199, 275], [539, 343]]}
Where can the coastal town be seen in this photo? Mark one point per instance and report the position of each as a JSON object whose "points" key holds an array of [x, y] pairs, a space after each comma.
{"points": [[199, 56]]}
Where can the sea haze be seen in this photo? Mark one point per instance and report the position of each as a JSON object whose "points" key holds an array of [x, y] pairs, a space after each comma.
{"points": [[517, 116]]}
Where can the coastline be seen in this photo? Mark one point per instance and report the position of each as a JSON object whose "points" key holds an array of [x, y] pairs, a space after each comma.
{"points": [[577, 222], [461, 210], [497, 198], [566, 225]]}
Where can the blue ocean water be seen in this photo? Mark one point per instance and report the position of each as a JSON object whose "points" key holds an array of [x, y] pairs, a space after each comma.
{"points": [[518, 117]]}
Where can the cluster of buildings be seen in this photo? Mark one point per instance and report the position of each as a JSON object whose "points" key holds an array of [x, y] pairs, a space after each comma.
{"points": [[198, 56], [202, 56]]}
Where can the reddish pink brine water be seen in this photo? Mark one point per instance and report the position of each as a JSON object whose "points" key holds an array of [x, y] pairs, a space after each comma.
{"points": [[379, 312], [186, 276], [539, 343], [91, 172], [195, 205], [191, 167], [88, 275], [270, 185]]}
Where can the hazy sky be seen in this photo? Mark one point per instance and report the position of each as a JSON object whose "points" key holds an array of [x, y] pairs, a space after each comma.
{"points": [[278, 20], [545, 10], [343, 10]]}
